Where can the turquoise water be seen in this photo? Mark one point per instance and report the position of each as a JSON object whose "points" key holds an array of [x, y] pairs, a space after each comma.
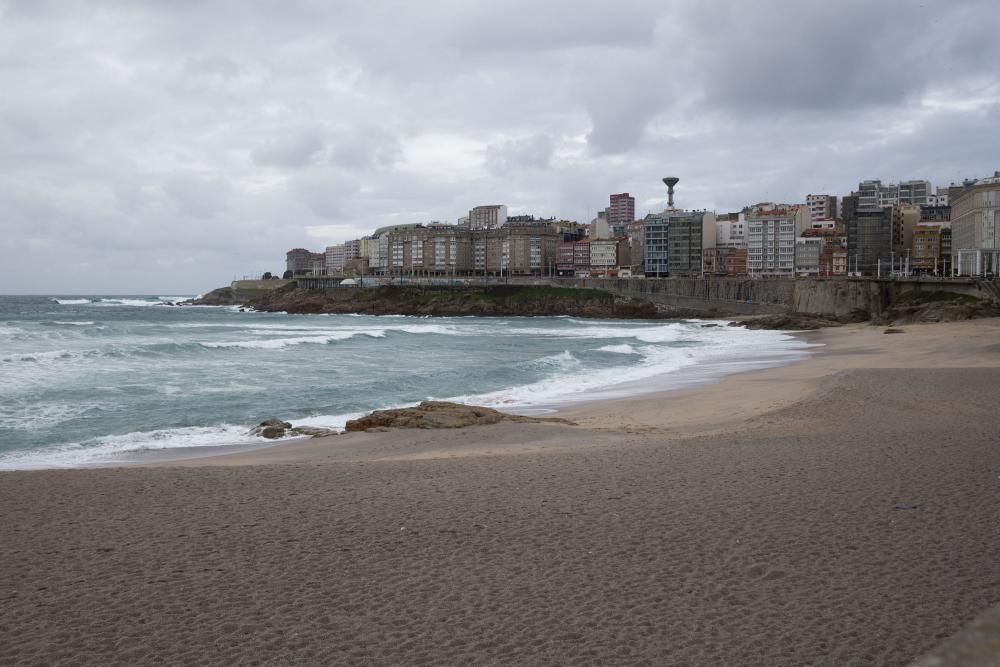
{"points": [[89, 380]]}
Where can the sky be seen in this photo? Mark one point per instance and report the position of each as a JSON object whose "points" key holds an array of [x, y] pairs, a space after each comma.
{"points": [[169, 147]]}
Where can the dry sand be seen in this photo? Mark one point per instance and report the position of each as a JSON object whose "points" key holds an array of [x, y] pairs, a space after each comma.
{"points": [[753, 521]]}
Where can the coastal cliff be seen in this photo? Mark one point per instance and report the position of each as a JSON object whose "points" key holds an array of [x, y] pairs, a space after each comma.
{"points": [[500, 300]]}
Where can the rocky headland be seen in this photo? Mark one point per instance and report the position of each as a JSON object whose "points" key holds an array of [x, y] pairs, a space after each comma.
{"points": [[499, 300], [532, 300]]}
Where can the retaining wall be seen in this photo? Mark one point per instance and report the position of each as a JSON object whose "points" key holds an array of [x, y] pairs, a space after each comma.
{"points": [[744, 296]]}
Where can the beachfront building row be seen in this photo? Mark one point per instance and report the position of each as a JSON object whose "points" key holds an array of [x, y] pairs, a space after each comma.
{"points": [[879, 230]]}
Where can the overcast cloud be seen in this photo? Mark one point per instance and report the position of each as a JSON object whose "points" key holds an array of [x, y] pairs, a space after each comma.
{"points": [[170, 146]]}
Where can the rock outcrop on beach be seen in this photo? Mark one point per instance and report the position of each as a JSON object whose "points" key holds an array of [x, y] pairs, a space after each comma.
{"points": [[498, 300], [273, 429], [441, 414], [787, 322], [953, 310]]}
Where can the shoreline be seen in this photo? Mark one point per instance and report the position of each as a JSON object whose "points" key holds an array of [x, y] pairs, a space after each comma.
{"points": [[692, 408], [705, 374], [710, 368], [838, 510]]}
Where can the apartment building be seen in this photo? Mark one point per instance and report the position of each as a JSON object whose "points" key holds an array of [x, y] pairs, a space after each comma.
{"points": [[336, 255], [490, 216], [635, 238], [870, 240], [604, 257], [731, 230], [916, 193], [621, 213], [581, 258], [808, 251], [975, 227], [821, 208], [599, 227], [771, 233], [419, 249], [565, 258], [302, 262], [689, 235], [528, 248], [931, 249], [655, 232]]}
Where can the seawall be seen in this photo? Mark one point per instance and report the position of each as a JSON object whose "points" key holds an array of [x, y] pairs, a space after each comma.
{"points": [[837, 297], [832, 297]]}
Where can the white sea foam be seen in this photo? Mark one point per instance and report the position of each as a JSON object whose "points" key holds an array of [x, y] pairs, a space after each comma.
{"points": [[130, 446], [563, 387], [72, 302], [116, 448], [657, 371], [336, 422], [554, 362], [279, 343], [320, 336], [43, 415], [624, 348], [661, 333], [129, 302], [73, 324]]}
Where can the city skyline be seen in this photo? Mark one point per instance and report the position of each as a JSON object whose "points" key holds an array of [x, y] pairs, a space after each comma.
{"points": [[170, 148]]}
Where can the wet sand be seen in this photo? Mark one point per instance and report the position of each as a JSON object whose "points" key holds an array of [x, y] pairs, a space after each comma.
{"points": [[840, 511]]}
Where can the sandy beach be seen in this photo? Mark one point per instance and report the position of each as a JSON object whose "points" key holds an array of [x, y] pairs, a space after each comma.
{"points": [[842, 510]]}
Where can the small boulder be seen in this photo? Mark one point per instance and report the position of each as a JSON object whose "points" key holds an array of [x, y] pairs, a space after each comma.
{"points": [[271, 429]]}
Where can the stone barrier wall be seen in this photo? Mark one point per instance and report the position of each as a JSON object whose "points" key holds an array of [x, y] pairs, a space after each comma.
{"points": [[836, 297]]}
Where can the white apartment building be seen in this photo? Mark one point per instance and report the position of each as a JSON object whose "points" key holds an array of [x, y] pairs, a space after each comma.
{"points": [[352, 249], [336, 255], [599, 227], [731, 231], [874, 193], [771, 233], [378, 250], [821, 207], [807, 254], [975, 228], [603, 256]]}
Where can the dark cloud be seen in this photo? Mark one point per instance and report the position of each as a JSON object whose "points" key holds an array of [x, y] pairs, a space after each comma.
{"points": [[184, 143]]}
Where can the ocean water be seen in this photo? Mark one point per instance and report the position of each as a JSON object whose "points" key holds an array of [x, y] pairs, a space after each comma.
{"points": [[101, 379]]}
